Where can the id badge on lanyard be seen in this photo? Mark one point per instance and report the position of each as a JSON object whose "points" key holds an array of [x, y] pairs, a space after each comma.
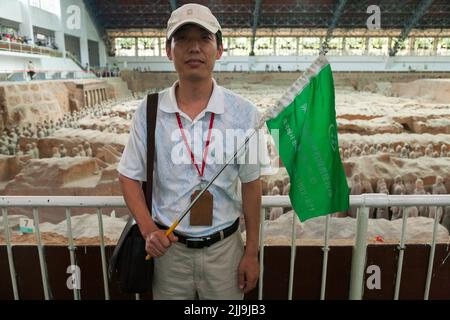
{"points": [[201, 213]]}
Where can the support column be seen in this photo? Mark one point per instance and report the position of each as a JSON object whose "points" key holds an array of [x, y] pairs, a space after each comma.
{"points": [[84, 51], [366, 46], [274, 45], [102, 52], [160, 45], [344, 49], [84, 48], [59, 35], [26, 27], [411, 49], [435, 45], [60, 43], [135, 47]]}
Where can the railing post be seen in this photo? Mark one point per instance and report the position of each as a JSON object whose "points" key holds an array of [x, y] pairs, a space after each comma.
{"points": [[401, 249], [261, 253], [431, 256], [325, 249], [12, 269], [102, 253], [293, 252], [41, 254], [72, 248], [359, 255]]}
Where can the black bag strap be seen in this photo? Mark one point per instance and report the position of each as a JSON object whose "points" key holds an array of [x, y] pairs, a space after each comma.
{"points": [[152, 108]]}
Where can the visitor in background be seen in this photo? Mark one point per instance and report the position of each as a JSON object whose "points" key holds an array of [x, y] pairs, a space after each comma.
{"points": [[30, 70]]}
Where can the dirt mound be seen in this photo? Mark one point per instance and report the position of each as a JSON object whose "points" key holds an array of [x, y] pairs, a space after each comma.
{"points": [[342, 231], [432, 90], [53, 172]]}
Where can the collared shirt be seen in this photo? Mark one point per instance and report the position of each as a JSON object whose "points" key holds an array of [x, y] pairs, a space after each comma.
{"points": [[175, 178]]}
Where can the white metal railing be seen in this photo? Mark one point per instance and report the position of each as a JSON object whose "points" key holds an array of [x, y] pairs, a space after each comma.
{"points": [[362, 202], [47, 74]]}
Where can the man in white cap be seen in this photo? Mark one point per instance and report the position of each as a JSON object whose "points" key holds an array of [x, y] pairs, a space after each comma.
{"points": [[205, 258]]}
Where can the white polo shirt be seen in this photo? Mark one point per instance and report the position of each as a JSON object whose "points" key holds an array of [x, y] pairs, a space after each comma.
{"points": [[175, 178]]}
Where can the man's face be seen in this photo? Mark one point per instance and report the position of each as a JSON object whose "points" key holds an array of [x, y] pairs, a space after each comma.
{"points": [[194, 52]]}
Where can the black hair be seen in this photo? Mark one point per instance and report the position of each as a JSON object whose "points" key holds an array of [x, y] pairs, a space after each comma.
{"points": [[219, 38]]}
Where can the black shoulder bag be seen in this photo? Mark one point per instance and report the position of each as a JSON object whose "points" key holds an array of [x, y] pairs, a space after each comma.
{"points": [[127, 264]]}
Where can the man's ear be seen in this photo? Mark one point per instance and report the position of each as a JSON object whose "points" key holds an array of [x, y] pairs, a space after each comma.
{"points": [[219, 52], [169, 49]]}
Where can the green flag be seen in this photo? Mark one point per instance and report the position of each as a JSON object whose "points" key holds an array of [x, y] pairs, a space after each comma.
{"points": [[308, 144]]}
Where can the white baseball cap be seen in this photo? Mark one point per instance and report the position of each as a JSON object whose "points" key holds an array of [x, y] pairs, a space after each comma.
{"points": [[192, 13]]}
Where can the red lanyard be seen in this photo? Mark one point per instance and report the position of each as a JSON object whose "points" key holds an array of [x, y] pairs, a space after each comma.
{"points": [[205, 151]]}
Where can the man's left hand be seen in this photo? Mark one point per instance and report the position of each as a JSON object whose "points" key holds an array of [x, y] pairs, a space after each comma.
{"points": [[248, 272]]}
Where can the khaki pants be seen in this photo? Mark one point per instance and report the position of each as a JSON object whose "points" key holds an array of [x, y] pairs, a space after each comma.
{"points": [[210, 273]]}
